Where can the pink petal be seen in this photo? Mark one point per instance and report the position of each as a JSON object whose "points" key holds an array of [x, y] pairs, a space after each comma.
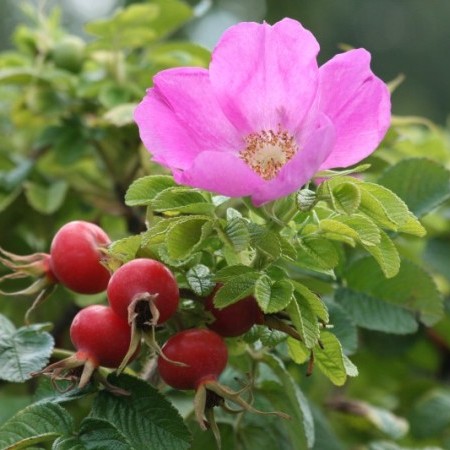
{"points": [[265, 76], [163, 134], [222, 173], [357, 102], [179, 118], [316, 148]]}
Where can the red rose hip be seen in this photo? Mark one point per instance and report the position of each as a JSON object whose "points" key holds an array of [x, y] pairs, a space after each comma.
{"points": [[76, 254], [236, 319], [203, 352]]}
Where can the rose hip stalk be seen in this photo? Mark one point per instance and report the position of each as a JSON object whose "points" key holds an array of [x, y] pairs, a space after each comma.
{"points": [[145, 293], [205, 356], [36, 265], [101, 338]]}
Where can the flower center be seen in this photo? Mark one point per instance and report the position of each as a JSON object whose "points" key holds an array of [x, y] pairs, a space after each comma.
{"points": [[268, 151]]}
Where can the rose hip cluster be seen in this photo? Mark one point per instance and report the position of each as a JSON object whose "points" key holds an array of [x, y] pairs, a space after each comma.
{"points": [[142, 294]]}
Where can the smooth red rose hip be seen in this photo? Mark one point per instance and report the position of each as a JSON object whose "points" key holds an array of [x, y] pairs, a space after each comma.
{"points": [[76, 255], [101, 338], [235, 319], [203, 351], [204, 356], [145, 293], [100, 335], [140, 279]]}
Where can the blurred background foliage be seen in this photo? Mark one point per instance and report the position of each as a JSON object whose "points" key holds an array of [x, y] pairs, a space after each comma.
{"points": [[69, 81], [408, 37]]}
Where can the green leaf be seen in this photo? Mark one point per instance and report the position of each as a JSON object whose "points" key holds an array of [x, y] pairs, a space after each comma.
{"points": [[343, 327], [268, 337], [181, 200], [125, 249], [298, 351], [304, 320], [350, 368], [375, 314], [68, 443], [97, 433], [314, 301], [236, 288], [386, 255], [46, 199], [346, 198], [430, 415], [144, 418], [290, 399], [273, 297], [338, 231], [394, 207], [230, 272], [265, 240], [200, 280], [367, 233], [184, 237], [287, 249], [237, 234], [330, 358], [22, 351], [35, 424], [436, 255], [317, 254], [412, 288], [421, 183], [143, 190]]}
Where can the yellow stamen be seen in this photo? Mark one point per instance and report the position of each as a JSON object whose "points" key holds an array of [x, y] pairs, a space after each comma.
{"points": [[268, 151]]}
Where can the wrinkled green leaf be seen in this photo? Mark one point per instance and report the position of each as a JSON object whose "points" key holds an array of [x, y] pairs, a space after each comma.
{"points": [[234, 289], [145, 419], [386, 255], [304, 320], [343, 327], [237, 234], [412, 288], [367, 233], [317, 254], [421, 183], [230, 272], [200, 280], [290, 399], [181, 200], [125, 249], [35, 424], [265, 240], [142, 191], [330, 359], [375, 314], [22, 351], [184, 237], [272, 297], [346, 197]]}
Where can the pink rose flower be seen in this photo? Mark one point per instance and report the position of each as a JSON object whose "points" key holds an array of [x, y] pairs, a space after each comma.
{"points": [[264, 118]]}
